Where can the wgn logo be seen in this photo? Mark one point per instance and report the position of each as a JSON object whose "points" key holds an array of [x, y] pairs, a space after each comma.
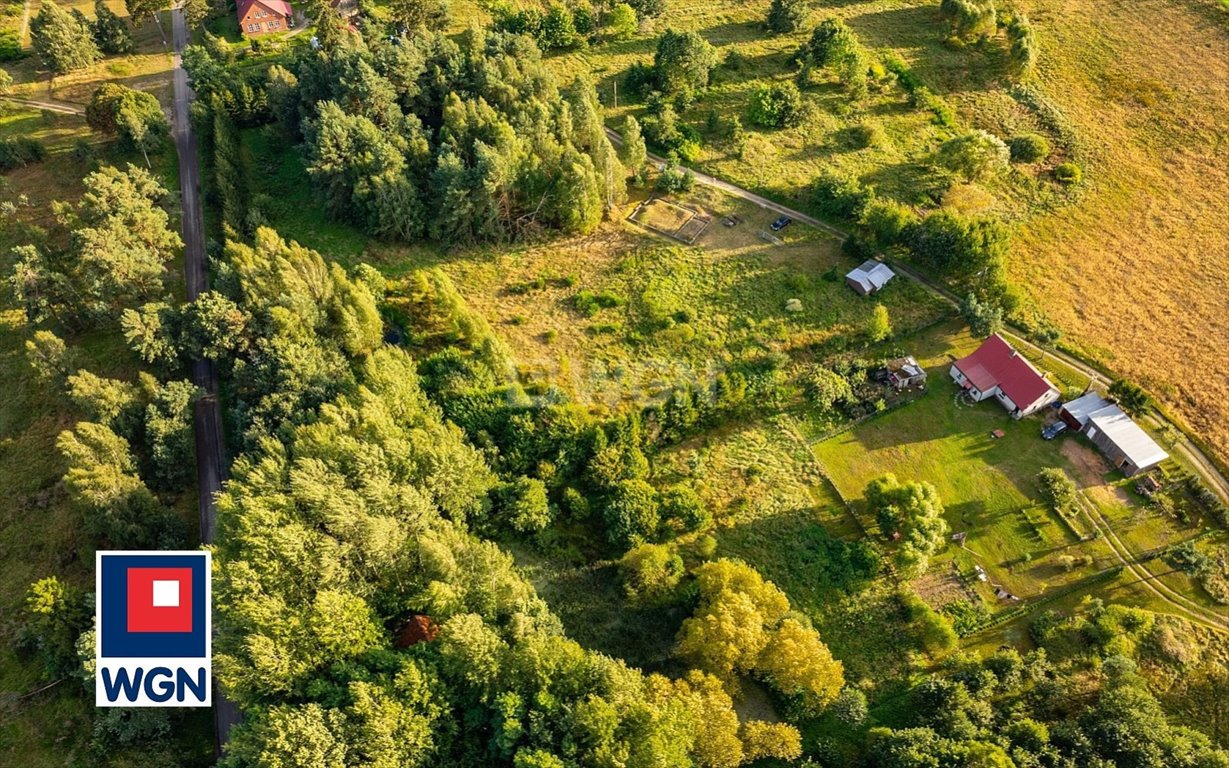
{"points": [[154, 629]]}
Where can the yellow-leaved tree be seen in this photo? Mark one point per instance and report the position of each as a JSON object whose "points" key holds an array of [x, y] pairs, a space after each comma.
{"points": [[743, 626]]}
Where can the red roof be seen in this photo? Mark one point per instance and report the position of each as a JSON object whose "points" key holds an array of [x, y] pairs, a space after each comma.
{"points": [[280, 7], [418, 628], [996, 363]]}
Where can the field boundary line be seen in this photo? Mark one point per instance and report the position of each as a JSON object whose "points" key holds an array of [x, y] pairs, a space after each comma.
{"points": [[1186, 608]]}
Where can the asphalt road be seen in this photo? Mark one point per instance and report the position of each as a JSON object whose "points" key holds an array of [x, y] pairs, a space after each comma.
{"points": [[210, 448], [1204, 466]]}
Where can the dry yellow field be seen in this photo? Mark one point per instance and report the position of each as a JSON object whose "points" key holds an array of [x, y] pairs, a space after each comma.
{"points": [[1137, 272]]}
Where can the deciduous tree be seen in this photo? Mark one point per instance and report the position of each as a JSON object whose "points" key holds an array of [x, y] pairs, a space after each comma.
{"points": [[135, 116], [683, 62], [976, 155], [785, 16], [622, 22]]}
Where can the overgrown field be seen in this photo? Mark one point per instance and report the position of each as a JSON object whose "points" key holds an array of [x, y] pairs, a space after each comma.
{"points": [[625, 316]]}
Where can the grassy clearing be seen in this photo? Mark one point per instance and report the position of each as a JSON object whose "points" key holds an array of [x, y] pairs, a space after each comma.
{"points": [[682, 312], [147, 69], [588, 598]]}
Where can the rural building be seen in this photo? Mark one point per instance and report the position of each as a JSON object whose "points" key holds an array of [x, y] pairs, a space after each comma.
{"points": [[1122, 441], [262, 17], [869, 277], [418, 628], [904, 372], [1077, 411], [997, 370]]}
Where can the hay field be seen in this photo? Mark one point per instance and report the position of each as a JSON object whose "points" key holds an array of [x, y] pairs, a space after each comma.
{"points": [[1137, 273]]}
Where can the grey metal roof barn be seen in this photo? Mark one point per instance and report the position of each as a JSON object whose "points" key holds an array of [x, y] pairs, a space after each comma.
{"points": [[1077, 411], [869, 276], [1128, 447]]}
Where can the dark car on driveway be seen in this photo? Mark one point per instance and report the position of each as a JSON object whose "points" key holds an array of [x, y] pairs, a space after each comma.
{"points": [[1054, 430], [781, 223]]}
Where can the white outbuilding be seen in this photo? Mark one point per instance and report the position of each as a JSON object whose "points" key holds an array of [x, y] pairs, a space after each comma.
{"points": [[869, 276]]}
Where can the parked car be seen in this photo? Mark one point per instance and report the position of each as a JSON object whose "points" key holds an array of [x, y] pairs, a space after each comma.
{"points": [[781, 223], [1054, 430]]}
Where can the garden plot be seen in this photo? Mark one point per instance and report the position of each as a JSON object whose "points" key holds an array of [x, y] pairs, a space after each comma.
{"points": [[670, 219], [988, 485]]}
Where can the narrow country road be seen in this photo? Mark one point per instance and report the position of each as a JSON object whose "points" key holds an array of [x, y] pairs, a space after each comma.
{"points": [[210, 448], [1202, 464]]}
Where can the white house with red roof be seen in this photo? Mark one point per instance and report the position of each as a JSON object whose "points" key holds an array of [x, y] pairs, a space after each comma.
{"points": [[997, 370], [263, 17]]}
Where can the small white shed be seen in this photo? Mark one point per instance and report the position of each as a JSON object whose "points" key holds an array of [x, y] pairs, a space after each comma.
{"points": [[869, 276]]}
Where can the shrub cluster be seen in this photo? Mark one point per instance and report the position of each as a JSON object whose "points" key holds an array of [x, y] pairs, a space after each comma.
{"points": [[1023, 42], [19, 152], [1028, 148], [920, 96], [969, 18], [777, 106], [1058, 490]]}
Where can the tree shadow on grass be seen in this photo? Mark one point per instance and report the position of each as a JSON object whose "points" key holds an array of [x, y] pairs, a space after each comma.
{"points": [[912, 183], [588, 599]]}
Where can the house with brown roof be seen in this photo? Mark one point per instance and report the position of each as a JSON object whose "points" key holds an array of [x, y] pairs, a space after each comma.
{"points": [[263, 17], [997, 370]]}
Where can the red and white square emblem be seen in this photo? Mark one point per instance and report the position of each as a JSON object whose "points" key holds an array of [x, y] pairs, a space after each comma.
{"points": [[159, 599]]}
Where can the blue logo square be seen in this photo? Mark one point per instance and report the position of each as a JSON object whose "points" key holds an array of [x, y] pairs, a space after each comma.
{"points": [[115, 638]]}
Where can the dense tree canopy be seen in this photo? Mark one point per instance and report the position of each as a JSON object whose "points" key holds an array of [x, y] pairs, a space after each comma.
{"points": [[134, 116], [335, 530], [965, 249], [683, 62], [462, 141], [911, 513], [110, 31], [743, 626]]}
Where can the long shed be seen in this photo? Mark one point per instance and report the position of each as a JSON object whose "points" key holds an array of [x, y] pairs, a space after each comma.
{"points": [[1124, 443], [1076, 412]]}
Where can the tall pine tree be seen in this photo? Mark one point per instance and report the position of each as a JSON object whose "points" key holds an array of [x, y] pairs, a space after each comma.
{"points": [[62, 42]]}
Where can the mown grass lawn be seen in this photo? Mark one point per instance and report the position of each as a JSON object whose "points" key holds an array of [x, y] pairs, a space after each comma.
{"points": [[987, 484]]}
